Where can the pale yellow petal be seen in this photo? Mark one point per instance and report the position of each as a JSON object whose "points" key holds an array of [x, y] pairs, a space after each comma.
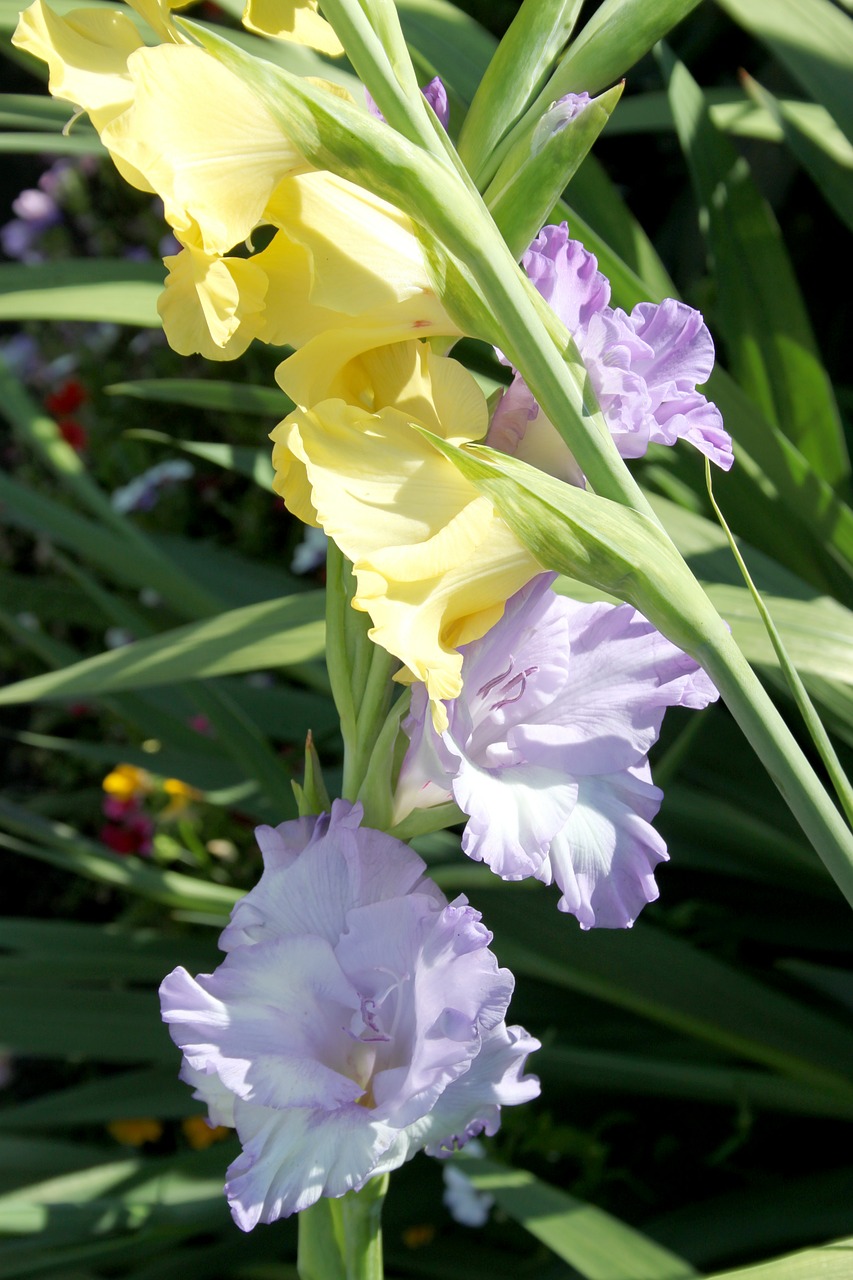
{"points": [[433, 561], [292, 20], [86, 54], [211, 306], [365, 253], [203, 140]]}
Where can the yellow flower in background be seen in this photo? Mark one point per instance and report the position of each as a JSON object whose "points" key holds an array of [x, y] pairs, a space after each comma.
{"points": [[135, 1133], [126, 782], [433, 561], [181, 796], [200, 1135]]}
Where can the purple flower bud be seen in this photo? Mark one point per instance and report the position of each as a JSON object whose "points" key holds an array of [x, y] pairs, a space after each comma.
{"points": [[435, 94], [357, 1018], [547, 746]]}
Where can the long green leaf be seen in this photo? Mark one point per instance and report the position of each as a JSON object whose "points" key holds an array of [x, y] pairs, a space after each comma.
{"points": [[828, 160], [674, 984], [277, 633], [813, 39], [97, 289], [760, 310], [596, 1244], [829, 1262]]}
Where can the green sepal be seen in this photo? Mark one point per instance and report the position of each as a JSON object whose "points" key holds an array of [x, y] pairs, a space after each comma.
{"points": [[611, 547], [538, 168], [520, 67], [312, 795]]}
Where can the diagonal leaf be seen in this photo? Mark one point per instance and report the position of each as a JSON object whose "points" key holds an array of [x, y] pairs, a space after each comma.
{"points": [[596, 1244], [277, 633], [828, 160], [761, 313], [813, 39]]}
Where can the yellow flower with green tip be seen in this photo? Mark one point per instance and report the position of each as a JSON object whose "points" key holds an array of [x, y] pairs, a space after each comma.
{"points": [[433, 561]]}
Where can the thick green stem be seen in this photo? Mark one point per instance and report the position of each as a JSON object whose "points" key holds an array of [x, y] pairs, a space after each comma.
{"points": [[342, 1239], [358, 1219]]}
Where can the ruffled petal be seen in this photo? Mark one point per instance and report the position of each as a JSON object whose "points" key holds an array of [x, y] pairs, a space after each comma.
{"points": [[604, 858], [215, 168], [231, 1022], [291, 1158]]}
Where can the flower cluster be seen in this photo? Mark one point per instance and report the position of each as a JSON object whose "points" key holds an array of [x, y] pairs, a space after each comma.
{"points": [[357, 1018]]}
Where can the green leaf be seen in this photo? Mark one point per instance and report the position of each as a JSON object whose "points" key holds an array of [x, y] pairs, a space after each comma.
{"points": [[531, 178], [54, 144], [276, 633], [827, 158], [126, 561], [673, 984], [767, 331], [152, 1091], [519, 68], [829, 1262], [203, 393], [733, 1086], [93, 289], [596, 1244], [813, 39], [617, 35], [255, 464]]}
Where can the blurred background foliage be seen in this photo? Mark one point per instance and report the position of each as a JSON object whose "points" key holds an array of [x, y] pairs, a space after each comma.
{"points": [[161, 633]]}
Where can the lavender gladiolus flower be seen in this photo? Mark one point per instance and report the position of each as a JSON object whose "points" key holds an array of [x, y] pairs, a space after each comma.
{"points": [[357, 1018], [644, 367], [547, 746]]}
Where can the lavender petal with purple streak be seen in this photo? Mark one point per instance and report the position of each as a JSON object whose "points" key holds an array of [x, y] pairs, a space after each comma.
{"points": [[547, 746]]}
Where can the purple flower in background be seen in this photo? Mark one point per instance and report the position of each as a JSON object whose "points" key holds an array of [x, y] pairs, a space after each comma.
{"points": [[435, 94], [547, 746], [357, 1018], [143, 493], [35, 212], [644, 367]]}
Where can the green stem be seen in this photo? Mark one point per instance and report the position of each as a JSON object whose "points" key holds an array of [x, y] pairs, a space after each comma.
{"points": [[358, 1219], [342, 1239]]}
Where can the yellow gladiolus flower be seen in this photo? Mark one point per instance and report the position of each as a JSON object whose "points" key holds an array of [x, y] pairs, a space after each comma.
{"points": [[345, 270], [433, 561], [216, 168], [344, 273]]}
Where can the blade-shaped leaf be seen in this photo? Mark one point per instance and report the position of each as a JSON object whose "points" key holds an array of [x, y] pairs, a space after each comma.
{"points": [[760, 310], [276, 633], [596, 1244]]}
